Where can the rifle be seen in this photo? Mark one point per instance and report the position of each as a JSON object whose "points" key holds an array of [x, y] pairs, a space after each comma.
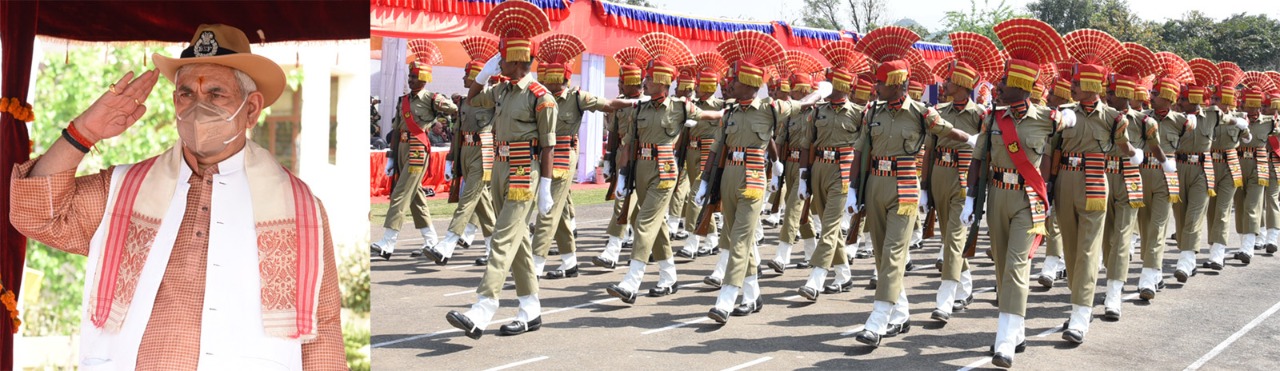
{"points": [[610, 157], [864, 166], [629, 171], [813, 139], [682, 144], [705, 217], [979, 171], [777, 198], [455, 185], [926, 186]]}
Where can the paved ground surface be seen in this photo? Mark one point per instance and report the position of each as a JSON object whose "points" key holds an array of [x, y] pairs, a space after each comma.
{"points": [[1218, 320]]}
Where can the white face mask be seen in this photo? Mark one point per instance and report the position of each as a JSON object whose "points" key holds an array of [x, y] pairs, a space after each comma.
{"points": [[206, 129]]}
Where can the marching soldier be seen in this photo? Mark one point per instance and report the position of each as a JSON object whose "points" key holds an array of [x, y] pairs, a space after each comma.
{"points": [[701, 138], [1161, 184], [897, 126], [1014, 153], [680, 196], [649, 156], [825, 171], [1081, 211], [794, 146], [1126, 194], [472, 152], [630, 77], [741, 149], [949, 163], [1271, 111], [1054, 268], [1253, 159], [524, 135], [1195, 171], [416, 112], [556, 54], [1226, 131]]}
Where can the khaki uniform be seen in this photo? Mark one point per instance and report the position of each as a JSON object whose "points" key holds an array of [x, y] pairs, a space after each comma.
{"points": [[474, 138], [894, 136], [1271, 200], [947, 191], [748, 128], [624, 133], [1122, 212], [1226, 138], [794, 136], [524, 114], [1249, 199], [659, 124], [701, 138], [1082, 221], [837, 128], [411, 158], [1153, 218], [1008, 209], [1189, 215], [571, 103]]}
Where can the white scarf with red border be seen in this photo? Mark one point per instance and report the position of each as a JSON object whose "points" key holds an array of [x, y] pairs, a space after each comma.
{"points": [[286, 219]]}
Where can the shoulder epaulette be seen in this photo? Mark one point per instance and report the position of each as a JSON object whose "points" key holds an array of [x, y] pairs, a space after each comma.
{"points": [[537, 89]]}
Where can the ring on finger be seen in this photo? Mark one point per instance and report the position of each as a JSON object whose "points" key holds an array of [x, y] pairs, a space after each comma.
{"points": [[135, 101], [113, 89]]}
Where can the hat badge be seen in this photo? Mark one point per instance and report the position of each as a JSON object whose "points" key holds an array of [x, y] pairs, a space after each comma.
{"points": [[206, 46]]}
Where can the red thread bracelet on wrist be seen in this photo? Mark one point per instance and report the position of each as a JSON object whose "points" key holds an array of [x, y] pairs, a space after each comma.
{"points": [[71, 128]]}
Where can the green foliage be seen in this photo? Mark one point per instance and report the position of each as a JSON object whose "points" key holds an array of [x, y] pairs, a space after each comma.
{"points": [[57, 308], [822, 14], [1065, 15], [1248, 40], [981, 20]]}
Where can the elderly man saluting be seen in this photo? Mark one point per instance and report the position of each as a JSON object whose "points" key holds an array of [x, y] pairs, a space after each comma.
{"points": [[175, 280]]}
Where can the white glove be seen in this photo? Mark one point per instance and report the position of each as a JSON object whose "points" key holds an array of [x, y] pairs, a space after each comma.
{"points": [[1068, 118], [1049, 212], [492, 67], [966, 215], [544, 195], [391, 167], [851, 203], [700, 197], [972, 141], [924, 202], [622, 191], [607, 169], [1242, 123], [777, 168], [448, 171], [644, 99], [690, 123], [775, 184], [1137, 158], [1191, 122], [1170, 166], [803, 191]]}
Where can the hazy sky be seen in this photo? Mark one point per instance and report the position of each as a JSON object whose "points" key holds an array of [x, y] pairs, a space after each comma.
{"points": [[929, 13]]}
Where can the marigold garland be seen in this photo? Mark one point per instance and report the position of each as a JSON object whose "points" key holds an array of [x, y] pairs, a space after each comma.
{"points": [[19, 109], [11, 304]]}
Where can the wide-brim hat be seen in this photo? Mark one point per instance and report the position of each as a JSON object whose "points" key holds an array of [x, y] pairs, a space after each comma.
{"points": [[226, 46]]}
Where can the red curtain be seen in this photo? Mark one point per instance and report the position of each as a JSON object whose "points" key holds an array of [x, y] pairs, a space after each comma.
{"points": [[17, 35]]}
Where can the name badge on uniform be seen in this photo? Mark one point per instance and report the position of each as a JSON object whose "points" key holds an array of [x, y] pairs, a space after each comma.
{"points": [[874, 124], [995, 131], [1010, 178], [885, 165], [504, 151]]}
